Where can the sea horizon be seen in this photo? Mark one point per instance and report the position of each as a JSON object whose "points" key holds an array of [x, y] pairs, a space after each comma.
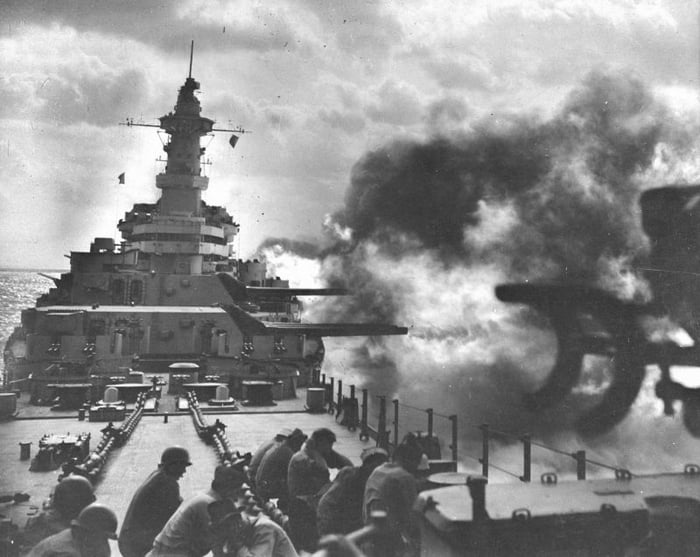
{"points": [[31, 270]]}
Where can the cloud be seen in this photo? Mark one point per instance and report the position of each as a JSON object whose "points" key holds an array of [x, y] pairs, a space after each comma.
{"points": [[527, 54], [462, 72], [447, 115], [362, 30], [101, 100], [167, 25], [64, 179], [348, 122], [317, 83], [395, 103], [67, 79]]}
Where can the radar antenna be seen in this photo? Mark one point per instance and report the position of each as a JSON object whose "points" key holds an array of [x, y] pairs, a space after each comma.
{"points": [[130, 121]]}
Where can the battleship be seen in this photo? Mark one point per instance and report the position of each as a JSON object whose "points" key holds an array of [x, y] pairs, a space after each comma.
{"points": [[172, 292], [168, 337]]}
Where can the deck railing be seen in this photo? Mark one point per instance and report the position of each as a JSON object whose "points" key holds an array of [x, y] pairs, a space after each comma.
{"points": [[387, 430]]}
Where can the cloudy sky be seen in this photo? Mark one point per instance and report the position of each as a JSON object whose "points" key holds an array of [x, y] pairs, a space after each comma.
{"points": [[318, 83]]}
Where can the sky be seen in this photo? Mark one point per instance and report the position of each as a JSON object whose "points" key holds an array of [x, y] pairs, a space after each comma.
{"points": [[317, 83], [418, 152]]}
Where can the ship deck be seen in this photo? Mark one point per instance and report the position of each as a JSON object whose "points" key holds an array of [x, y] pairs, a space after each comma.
{"points": [[128, 466]]}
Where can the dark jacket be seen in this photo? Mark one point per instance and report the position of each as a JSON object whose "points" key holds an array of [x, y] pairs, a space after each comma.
{"points": [[43, 525], [65, 544], [152, 505], [271, 479], [340, 508]]}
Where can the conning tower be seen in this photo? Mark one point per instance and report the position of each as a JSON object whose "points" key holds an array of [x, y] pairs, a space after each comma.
{"points": [[181, 234]]}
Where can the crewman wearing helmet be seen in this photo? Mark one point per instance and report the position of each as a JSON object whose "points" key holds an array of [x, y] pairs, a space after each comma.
{"points": [[153, 503], [88, 535], [188, 533], [71, 495]]}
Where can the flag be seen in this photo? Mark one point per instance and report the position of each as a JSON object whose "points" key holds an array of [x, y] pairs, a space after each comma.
{"points": [[233, 141], [121, 178]]}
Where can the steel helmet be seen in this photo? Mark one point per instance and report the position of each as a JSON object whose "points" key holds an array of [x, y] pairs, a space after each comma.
{"points": [[72, 494], [98, 519], [176, 454]]}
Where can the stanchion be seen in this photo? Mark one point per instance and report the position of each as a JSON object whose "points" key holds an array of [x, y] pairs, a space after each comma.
{"points": [[453, 446], [527, 458], [580, 457], [396, 421], [484, 450], [364, 427]]}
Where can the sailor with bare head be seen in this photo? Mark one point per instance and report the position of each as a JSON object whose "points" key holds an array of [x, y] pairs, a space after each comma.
{"points": [[259, 453], [308, 476], [236, 532], [340, 508], [271, 477]]}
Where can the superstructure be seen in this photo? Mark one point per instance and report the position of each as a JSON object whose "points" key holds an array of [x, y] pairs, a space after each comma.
{"points": [[172, 291]]}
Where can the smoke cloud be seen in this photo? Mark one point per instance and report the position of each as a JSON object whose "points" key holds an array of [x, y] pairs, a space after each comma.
{"points": [[572, 183], [430, 227]]}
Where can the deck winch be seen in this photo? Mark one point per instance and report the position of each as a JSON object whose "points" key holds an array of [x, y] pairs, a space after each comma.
{"points": [[55, 450]]}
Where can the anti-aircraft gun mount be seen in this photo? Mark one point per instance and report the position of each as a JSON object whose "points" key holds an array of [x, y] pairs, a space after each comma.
{"points": [[665, 332], [589, 321]]}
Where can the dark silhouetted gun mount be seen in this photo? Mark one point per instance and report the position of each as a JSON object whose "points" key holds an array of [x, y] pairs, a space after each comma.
{"points": [[590, 321]]}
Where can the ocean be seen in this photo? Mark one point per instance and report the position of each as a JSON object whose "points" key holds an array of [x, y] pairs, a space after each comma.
{"points": [[19, 290]]}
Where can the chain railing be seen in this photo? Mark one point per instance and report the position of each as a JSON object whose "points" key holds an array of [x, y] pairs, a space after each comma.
{"points": [[579, 457], [354, 413]]}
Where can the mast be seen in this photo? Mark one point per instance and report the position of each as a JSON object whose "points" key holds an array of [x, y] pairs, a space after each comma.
{"points": [[191, 53], [182, 182], [183, 235]]}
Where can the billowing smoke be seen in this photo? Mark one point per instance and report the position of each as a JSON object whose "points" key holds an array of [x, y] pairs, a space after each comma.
{"points": [[430, 227], [307, 250], [569, 185]]}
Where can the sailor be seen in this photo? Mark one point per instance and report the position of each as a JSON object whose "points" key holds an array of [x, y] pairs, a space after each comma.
{"points": [[153, 503], [262, 449], [335, 545], [340, 508], [88, 535], [188, 532], [309, 467], [72, 494], [308, 477], [392, 488], [238, 533], [271, 478]]}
